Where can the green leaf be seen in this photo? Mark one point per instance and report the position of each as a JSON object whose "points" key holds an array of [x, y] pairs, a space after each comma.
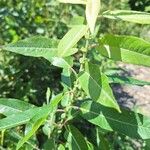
{"points": [[127, 122], [126, 80], [96, 85], [37, 46], [75, 139], [61, 147], [76, 20], [62, 62], [73, 1], [68, 77], [10, 106], [125, 48], [40, 118], [92, 10], [18, 118], [71, 39], [68, 52], [130, 16]]}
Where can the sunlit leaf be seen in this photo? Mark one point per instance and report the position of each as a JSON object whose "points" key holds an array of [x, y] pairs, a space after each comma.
{"points": [[128, 15], [125, 48], [37, 46], [71, 39], [92, 10]]}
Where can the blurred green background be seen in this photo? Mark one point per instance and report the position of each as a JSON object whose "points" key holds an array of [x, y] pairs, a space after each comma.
{"points": [[28, 78]]}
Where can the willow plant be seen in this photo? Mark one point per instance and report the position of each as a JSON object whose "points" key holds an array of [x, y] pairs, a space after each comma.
{"points": [[86, 102]]}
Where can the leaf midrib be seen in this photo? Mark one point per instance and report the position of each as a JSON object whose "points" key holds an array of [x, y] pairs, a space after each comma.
{"points": [[26, 47], [99, 86]]}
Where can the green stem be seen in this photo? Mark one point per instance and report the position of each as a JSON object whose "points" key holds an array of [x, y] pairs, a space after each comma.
{"points": [[74, 90], [84, 57]]}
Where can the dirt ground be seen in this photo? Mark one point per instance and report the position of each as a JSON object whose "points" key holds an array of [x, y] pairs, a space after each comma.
{"points": [[137, 97]]}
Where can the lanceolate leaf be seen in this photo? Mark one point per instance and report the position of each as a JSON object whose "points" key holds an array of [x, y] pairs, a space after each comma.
{"points": [[127, 122], [96, 85], [125, 48], [126, 80], [73, 1], [92, 10], [127, 15], [71, 39], [37, 46], [75, 139], [10, 106]]}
